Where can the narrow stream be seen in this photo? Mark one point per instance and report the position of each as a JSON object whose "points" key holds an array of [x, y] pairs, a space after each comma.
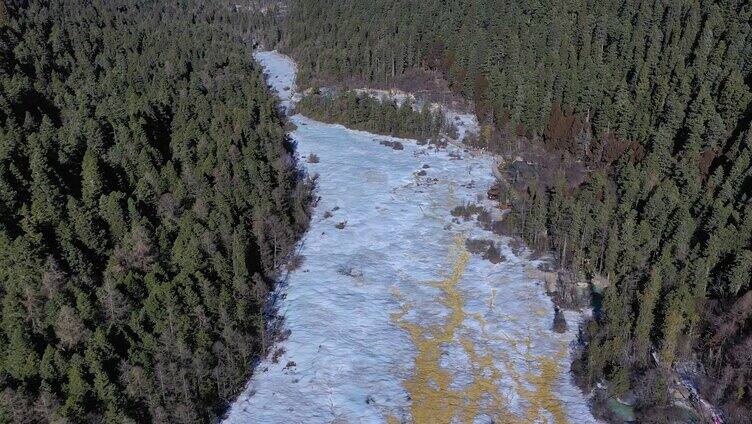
{"points": [[390, 317]]}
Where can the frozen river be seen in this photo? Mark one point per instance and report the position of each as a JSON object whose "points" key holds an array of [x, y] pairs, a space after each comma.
{"points": [[390, 317]]}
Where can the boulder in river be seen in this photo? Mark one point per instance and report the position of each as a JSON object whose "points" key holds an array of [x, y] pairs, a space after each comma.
{"points": [[396, 145], [560, 322], [494, 192]]}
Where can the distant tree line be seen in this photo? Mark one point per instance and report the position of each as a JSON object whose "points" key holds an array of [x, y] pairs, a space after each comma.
{"points": [[362, 111], [147, 194], [651, 101]]}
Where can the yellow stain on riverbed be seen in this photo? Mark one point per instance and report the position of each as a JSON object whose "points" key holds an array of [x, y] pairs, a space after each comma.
{"points": [[536, 384], [434, 397], [542, 398], [429, 387]]}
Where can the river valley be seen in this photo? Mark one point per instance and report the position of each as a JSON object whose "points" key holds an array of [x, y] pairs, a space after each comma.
{"points": [[390, 317]]}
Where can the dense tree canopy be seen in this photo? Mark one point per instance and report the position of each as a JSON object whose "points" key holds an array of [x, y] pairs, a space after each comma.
{"points": [[380, 116], [652, 99], [147, 191]]}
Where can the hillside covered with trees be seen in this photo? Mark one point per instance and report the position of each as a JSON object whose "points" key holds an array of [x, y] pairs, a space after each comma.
{"points": [[147, 194], [652, 101]]}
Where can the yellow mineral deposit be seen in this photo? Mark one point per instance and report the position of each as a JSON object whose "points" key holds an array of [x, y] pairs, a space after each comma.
{"points": [[432, 398], [392, 420], [485, 385], [541, 311], [436, 400], [541, 398]]}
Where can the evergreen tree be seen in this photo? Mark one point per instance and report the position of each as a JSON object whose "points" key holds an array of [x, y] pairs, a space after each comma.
{"points": [[136, 139]]}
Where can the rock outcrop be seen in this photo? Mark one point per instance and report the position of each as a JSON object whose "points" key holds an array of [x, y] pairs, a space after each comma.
{"points": [[572, 290], [560, 322]]}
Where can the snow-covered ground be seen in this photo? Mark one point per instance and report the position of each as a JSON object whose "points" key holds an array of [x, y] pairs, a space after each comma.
{"points": [[390, 318]]}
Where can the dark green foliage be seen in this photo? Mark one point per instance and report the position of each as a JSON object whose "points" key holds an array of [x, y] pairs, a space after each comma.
{"points": [[642, 111], [363, 112], [147, 191], [626, 66]]}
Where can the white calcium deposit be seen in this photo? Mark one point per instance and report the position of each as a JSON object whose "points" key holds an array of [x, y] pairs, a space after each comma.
{"points": [[390, 318]]}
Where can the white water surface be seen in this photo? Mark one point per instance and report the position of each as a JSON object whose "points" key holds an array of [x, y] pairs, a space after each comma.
{"points": [[348, 357]]}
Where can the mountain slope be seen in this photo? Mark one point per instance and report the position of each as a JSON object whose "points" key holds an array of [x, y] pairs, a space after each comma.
{"points": [[147, 191], [637, 116]]}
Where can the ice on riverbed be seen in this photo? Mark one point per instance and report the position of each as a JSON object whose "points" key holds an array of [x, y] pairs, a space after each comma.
{"points": [[281, 76], [280, 71], [390, 319]]}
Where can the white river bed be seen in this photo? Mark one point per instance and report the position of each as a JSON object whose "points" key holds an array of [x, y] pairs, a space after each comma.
{"points": [[390, 319]]}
